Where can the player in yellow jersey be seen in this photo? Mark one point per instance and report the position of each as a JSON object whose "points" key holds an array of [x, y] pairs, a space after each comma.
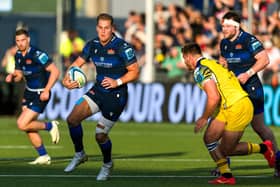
{"points": [[228, 112]]}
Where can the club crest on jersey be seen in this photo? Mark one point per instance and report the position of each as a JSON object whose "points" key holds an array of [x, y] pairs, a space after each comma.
{"points": [[231, 54], [238, 46], [102, 59], [28, 61], [111, 52]]}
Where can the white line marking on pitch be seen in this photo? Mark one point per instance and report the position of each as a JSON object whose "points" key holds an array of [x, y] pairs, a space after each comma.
{"points": [[27, 147], [128, 176], [185, 160]]}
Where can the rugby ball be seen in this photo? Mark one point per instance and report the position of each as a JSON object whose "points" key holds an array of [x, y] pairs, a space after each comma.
{"points": [[77, 74]]}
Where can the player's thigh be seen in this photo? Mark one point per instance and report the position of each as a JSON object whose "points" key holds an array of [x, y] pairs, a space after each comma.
{"points": [[80, 112], [27, 115]]}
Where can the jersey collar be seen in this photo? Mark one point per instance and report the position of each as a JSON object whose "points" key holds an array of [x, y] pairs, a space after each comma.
{"points": [[198, 61]]}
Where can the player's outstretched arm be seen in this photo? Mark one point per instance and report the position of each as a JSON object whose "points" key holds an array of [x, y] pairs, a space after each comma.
{"points": [[16, 76]]}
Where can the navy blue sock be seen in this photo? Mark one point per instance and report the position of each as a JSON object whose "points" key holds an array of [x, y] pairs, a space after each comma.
{"points": [[41, 150], [48, 126], [106, 149], [76, 134]]}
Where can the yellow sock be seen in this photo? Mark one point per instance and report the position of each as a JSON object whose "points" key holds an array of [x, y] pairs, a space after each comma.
{"points": [[253, 148], [223, 166]]}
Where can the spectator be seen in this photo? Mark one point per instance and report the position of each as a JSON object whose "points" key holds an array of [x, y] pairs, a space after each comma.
{"points": [[8, 61], [70, 47], [173, 63], [270, 73]]}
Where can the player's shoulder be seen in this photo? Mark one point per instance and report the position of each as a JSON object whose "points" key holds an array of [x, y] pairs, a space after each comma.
{"points": [[120, 43], [40, 55], [247, 37]]}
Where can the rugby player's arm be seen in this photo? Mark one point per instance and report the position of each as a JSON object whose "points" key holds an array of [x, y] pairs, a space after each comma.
{"points": [[223, 61], [132, 73], [78, 62], [66, 80], [213, 100], [262, 61], [16, 76], [54, 75]]}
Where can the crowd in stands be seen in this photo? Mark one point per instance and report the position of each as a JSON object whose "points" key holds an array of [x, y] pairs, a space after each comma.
{"points": [[176, 25]]}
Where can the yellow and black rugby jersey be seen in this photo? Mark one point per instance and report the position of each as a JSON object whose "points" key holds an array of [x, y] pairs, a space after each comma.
{"points": [[227, 83]]}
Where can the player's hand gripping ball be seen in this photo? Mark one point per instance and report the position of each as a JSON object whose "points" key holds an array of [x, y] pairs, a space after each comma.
{"points": [[77, 74]]}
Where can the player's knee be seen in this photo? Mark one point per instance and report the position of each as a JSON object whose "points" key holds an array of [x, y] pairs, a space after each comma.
{"points": [[101, 137], [21, 126], [72, 121], [101, 133]]}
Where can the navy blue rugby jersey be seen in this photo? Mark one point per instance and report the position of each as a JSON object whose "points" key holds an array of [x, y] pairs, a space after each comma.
{"points": [[240, 53], [33, 66], [110, 60]]}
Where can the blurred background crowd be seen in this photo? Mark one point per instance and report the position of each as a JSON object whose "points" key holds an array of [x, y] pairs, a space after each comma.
{"points": [[174, 25]]}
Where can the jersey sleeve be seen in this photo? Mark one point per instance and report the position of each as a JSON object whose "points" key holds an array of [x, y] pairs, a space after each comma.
{"points": [[43, 58], [127, 54], [86, 51], [255, 46], [222, 48], [202, 74]]}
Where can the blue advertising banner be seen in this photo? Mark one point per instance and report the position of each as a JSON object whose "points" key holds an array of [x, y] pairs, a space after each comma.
{"points": [[156, 102]]}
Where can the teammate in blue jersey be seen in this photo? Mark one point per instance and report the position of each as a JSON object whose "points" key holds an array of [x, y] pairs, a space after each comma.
{"points": [[40, 74], [244, 54], [116, 65]]}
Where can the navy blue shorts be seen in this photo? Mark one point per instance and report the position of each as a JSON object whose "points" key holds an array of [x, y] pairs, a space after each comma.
{"points": [[33, 102], [255, 90], [111, 104]]}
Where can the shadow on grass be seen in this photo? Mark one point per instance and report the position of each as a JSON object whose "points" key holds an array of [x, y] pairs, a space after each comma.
{"points": [[16, 171]]}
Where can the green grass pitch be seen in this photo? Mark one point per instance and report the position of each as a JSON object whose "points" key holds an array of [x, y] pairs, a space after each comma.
{"points": [[156, 155]]}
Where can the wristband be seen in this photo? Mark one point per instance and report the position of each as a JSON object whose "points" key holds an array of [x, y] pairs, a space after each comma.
{"points": [[119, 82], [250, 72]]}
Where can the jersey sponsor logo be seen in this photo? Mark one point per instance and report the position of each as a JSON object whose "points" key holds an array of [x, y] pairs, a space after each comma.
{"points": [[129, 53], [28, 61], [43, 58], [103, 64], [255, 45]]}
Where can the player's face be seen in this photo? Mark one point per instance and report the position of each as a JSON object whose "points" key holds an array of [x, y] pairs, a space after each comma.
{"points": [[22, 42], [188, 61], [104, 30], [229, 30]]}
